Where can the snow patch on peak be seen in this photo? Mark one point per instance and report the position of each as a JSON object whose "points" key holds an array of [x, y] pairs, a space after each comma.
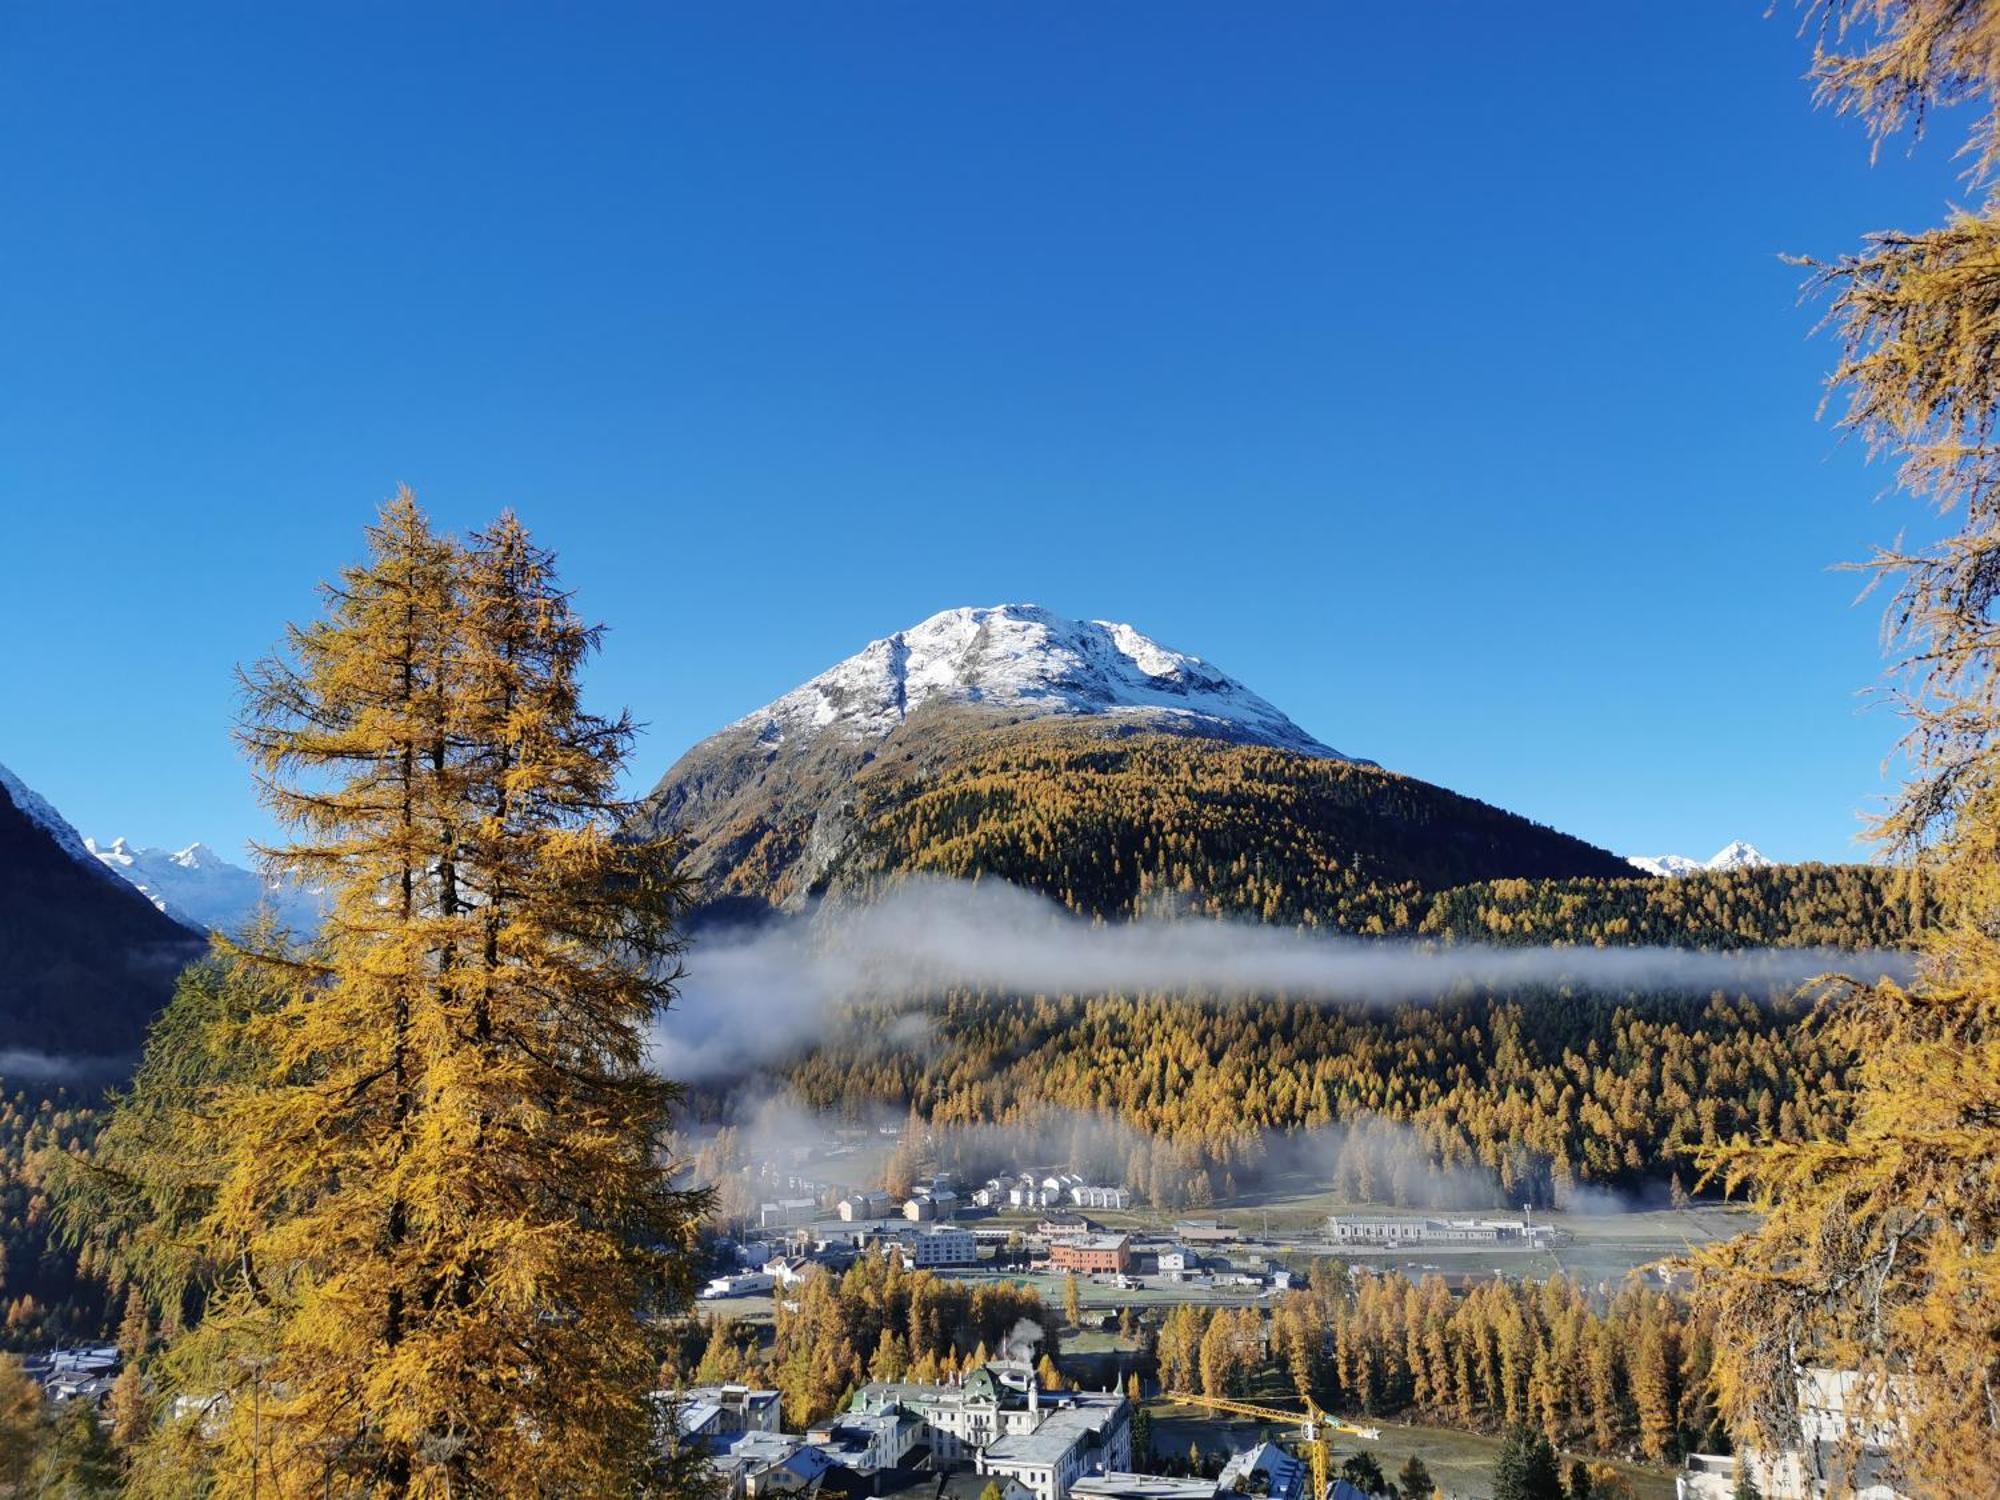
{"points": [[1023, 657], [1736, 855]]}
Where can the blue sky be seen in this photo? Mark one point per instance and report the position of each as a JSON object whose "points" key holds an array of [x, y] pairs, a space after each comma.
{"points": [[1433, 369]]}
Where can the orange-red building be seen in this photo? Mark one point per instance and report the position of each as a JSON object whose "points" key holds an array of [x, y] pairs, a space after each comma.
{"points": [[1092, 1252]]}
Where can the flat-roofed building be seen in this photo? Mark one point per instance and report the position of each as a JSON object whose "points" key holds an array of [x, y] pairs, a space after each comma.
{"points": [[867, 1441], [1123, 1486], [1091, 1253], [1352, 1229], [945, 1245], [1206, 1232]]}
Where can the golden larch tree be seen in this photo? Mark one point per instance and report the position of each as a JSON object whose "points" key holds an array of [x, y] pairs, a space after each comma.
{"points": [[441, 1226], [1880, 1255]]}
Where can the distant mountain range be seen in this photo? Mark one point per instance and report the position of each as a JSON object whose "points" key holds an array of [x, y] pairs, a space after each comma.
{"points": [[1080, 758], [1733, 856], [199, 888]]}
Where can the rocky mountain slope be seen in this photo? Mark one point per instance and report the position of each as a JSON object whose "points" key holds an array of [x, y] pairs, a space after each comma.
{"points": [[85, 960], [1074, 757]]}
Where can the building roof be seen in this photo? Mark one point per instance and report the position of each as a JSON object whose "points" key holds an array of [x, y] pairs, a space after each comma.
{"points": [[756, 1452], [1098, 1242], [1266, 1469], [1060, 1431], [1120, 1486]]}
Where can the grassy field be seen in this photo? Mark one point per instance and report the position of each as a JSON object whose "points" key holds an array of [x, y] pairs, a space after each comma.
{"points": [[1601, 1248], [1461, 1463]]}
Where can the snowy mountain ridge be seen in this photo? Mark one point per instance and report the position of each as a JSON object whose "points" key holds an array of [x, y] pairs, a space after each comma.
{"points": [[38, 810], [199, 888], [1736, 855], [1023, 658]]}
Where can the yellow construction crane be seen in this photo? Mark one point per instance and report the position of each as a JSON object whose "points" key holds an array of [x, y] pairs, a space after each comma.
{"points": [[1313, 1422]]}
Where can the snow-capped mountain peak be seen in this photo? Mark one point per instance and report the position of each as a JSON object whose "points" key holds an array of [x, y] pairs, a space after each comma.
{"points": [[198, 887], [1736, 855], [1026, 659]]}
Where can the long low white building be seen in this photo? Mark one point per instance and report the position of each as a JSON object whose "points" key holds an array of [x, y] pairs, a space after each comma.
{"points": [[1344, 1229]]}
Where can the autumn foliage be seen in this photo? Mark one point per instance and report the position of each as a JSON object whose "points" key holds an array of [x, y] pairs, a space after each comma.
{"points": [[405, 1180]]}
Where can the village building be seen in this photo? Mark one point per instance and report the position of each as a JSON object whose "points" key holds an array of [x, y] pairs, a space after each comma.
{"points": [[1124, 1486], [1092, 1253], [758, 1465], [1847, 1440], [1397, 1230], [744, 1284], [1206, 1232], [1083, 1195], [1062, 1226], [790, 1270], [927, 1205], [722, 1410], [1072, 1441], [783, 1212], [946, 1245], [867, 1442]]}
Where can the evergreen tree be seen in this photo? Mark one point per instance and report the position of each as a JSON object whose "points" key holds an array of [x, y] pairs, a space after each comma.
{"points": [[1415, 1479], [1142, 1440], [1363, 1472], [1527, 1467]]}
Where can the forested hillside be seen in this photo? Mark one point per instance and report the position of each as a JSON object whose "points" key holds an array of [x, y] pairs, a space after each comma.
{"points": [[46, 1292], [1781, 906], [1531, 1093], [1119, 825], [1115, 827], [1102, 818]]}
